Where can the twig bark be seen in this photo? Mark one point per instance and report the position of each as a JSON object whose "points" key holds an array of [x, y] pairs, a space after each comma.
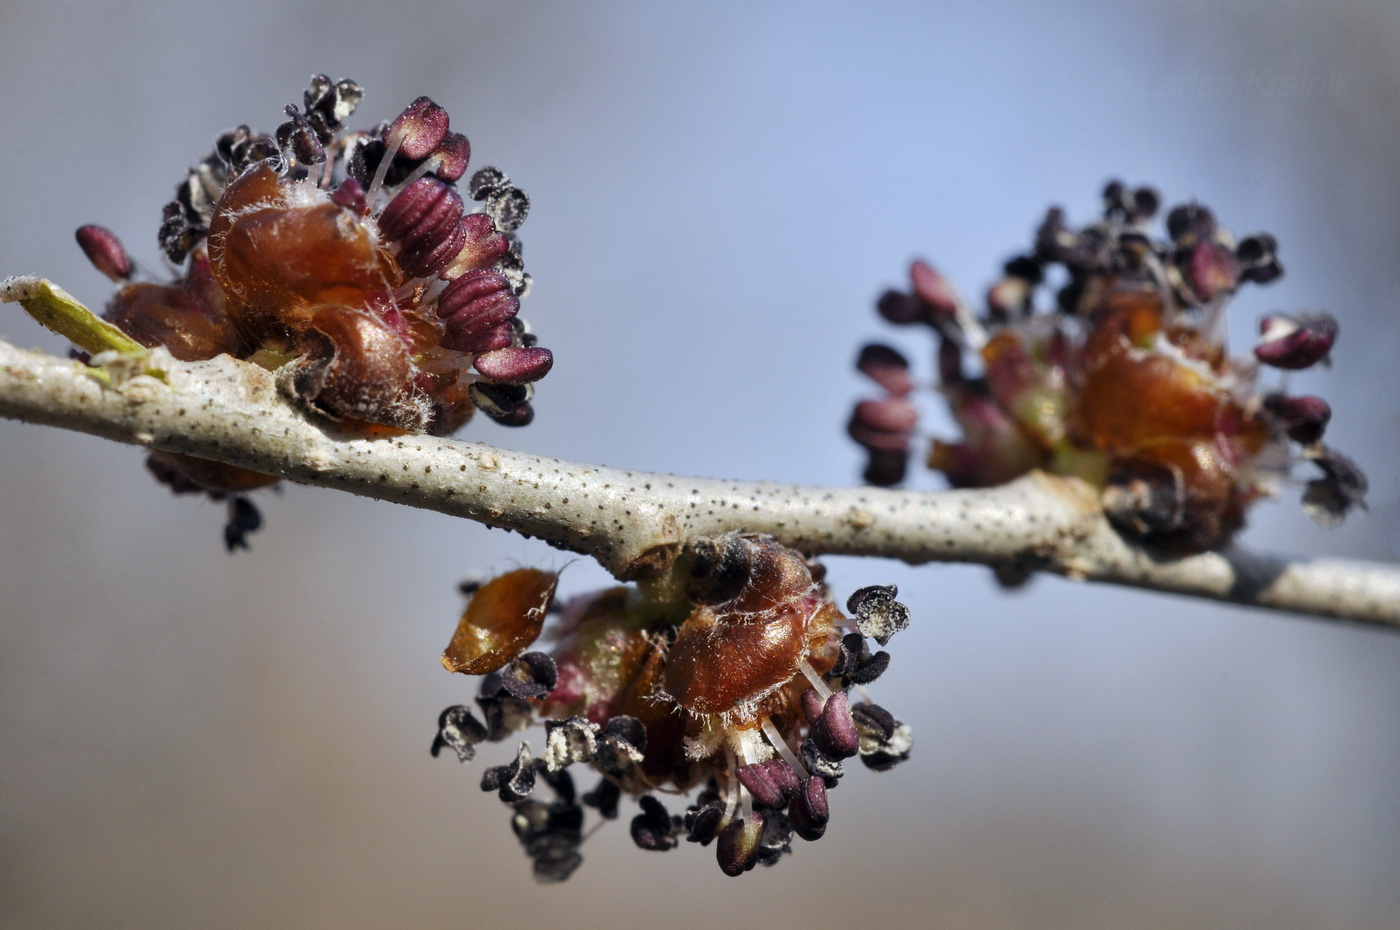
{"points": [[634, 522]]}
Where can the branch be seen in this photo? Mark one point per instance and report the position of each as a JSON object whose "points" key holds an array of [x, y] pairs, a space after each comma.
{"points": [[635, 522]]}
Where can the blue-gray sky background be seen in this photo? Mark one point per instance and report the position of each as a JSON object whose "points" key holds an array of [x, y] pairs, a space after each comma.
{"points": [[194, 739]]}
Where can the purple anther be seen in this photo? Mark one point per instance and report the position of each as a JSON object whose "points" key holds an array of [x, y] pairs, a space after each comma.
{"points": [[105, 251], [515, 365]]}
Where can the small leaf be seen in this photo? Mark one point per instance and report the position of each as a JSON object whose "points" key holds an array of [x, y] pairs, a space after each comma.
{"points": [[59, 312]]}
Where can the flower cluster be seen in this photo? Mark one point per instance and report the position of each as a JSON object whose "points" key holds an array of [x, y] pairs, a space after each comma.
{"points": [[348, 262], [1125, 381], [731, 676]]}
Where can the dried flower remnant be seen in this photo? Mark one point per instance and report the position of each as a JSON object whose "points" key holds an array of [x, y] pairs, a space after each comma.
{"points": [[730, 676], [350, 264], [1125, 383]]}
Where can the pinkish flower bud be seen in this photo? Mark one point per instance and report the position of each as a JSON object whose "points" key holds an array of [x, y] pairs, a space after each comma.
{"points": [[351, 195], [1294, 343], [886, 367], [515, 365], [105, 251], [933, 289], [418, 130]]}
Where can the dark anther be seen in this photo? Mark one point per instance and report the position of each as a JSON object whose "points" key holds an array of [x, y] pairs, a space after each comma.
{"points": [[485, 181], [243, 519], [242, 147], [512, 782], [507, 207], [886, 468], [776, 840], [459, 730], [834, 732], [551, 835], [1305, 418], [719, 568], [855, 665], [504, 714], [702, 823], [561, 782], [604, 798], [818, 763], [1190, 223], [652, 829], [810, 810], [620, 745], [771, 783], [105, 251], [739, 844], [1258, 258], [1341, 488], [513, 267], [569, 741], [532, 675], [884, 741], [878, 615], [299, 137], [329, 105], [499, 401], [178, 233]]}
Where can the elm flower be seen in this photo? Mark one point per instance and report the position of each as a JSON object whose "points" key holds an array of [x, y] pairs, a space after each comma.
{"points": [[348, 262], [1123, 380], [730, 678]]}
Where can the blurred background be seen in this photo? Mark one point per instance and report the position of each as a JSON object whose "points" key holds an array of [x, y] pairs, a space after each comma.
{"points": [[197, 739]]}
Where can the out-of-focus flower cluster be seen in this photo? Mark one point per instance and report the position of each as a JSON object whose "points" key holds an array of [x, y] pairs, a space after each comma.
{"points": [[731, 676], [348, 262], [1124, 381]]}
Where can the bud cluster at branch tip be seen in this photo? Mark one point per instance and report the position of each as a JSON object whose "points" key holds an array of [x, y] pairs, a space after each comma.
{"points": [[733, 679], [1123, 380], [347, 261]]}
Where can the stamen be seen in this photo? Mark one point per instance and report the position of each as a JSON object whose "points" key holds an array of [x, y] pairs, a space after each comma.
{"points": [[818, 685], [780, 745], [731, 803], [390, 151]]}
